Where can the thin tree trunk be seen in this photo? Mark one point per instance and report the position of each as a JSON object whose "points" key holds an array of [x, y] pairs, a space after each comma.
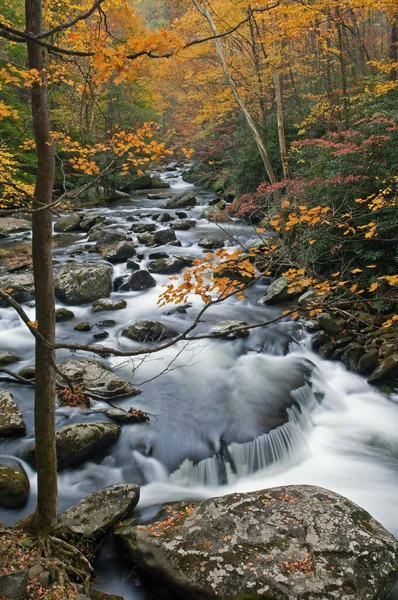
{"points": [[252, 126], [393, 48], [281, 125], [45, 516]]}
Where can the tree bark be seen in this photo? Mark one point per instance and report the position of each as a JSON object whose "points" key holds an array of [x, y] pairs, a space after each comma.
{"points": [[46, 514], [393, 49], [281, 124]]}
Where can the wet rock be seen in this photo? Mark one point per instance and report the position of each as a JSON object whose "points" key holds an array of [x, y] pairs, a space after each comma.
{"points": [[214, 215], [95, 232], [21, 287], [68, 223], [13, 585], [368, 362], [326, 351], [95, 515], [146, 239], [140, 280], [141, 182], [158, 182], [225, 329], [63, 314], [105, 323], [110, 237], [79, 442], [183, 224], [13, 225], [14, 484], [319, 339], [108, 304], [277, 292], [83, 326], [156, 255], [79, 283], [28, 372], [386, 371], [11, 420], [120, 252], [164, 236], [211, 243], [182, 310], [169, 266], [328, 324], [351, 355], [102, 335], [181, 215], [90, 221], [164, 218], [96, 375], [149, 331], [159, 196], [126, 416], [185, 200], [143, 228], [7, 358], [134, 266], [291, 543], [308, 297]]}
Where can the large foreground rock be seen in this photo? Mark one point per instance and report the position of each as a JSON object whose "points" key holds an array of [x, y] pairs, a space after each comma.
{"points": [[14, 484], [185, 200], [287, 543], [95, 375], [13, 225], [11, 420], [78, 283], [21, 287], [95, 515], [79, 442]]}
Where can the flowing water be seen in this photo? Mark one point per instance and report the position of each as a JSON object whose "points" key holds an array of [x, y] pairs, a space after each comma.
{"points": [[227, 416]]}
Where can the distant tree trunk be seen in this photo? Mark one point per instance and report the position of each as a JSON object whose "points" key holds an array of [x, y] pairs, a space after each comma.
{"points": [[45, 516], [252, 126], [393, 48], [281, 124]]}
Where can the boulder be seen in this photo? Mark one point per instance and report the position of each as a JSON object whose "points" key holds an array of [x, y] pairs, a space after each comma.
{"points": [[211, 243], [68, 223], [159, 196], [13, 225], [119, 252], [14, 484], [185, 200], [95, 232], [158, 183], [351, 355], [287, 543], [109, 237], [277, 292], [139, 280], [143, 228], [7, 358], [169, 266], [328, 324], [11, 420], [80, 283], [164, 236], [21, 287], [108, 304], [140, 182], [90, 221], [13, 585], [95, 375], [95, 515], [63, 314], [319, 339], [149, 331], [134, 266], [225, 329], [146, 239], [83, 326], [125, 417], [386, 371], [79, 442], [214, 215], [183, 224], [368, 362]]}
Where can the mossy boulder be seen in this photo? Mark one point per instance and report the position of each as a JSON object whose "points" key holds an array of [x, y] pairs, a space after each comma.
{"points": [[119, 252], [185, 200], [149, 332], [95, 375], [108, 304], [227, 329], [183, 224], [21, 287], [11, 419], [68, 223], [287, 543], [214, 215], [7, 358], [110, 237], [79, 442], [351, 355], [386, 372], [164, 236], [329, 324], [138, 281], [170, 265], [95, 515], [277, 292], [10, 225], [14, 484], [63, 314], [79, 283]]}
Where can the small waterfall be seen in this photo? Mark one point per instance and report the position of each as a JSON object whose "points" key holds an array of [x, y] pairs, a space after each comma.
{"points": [[285, 445], [151, 469]]}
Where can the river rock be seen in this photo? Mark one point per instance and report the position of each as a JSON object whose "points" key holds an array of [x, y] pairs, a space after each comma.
{"points": [[14, 484], [328, 324], [211, 243], [68, 223], [183, 224], [13, 585], [164, 218], [80, 283], [11, 420], [225, 329], [13, 225], [143, 228], [351, 355], [146, 239], [21, 287], [83, 326], [7, 358], [120, 252], [287, 543], [95, 232], [159, 183], [164, 236], [63, 314], [140, 280], [277, 292], [169, 266], [108, 304], [149, 331], [90, 221], [124, 417], [95, 515], [214, 215], [386, 371], [368, 362], [185, 200], [159, 196], [95, 375], [134, 266], [109, 237], [79, 442]]}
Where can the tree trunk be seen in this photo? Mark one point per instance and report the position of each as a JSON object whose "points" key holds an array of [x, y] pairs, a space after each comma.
{"points": [[393, 48], [45, 516], [252, 126], [281, 125]]}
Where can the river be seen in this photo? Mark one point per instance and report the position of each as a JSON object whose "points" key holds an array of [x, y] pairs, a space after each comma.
{"points": [[285, 415]]}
